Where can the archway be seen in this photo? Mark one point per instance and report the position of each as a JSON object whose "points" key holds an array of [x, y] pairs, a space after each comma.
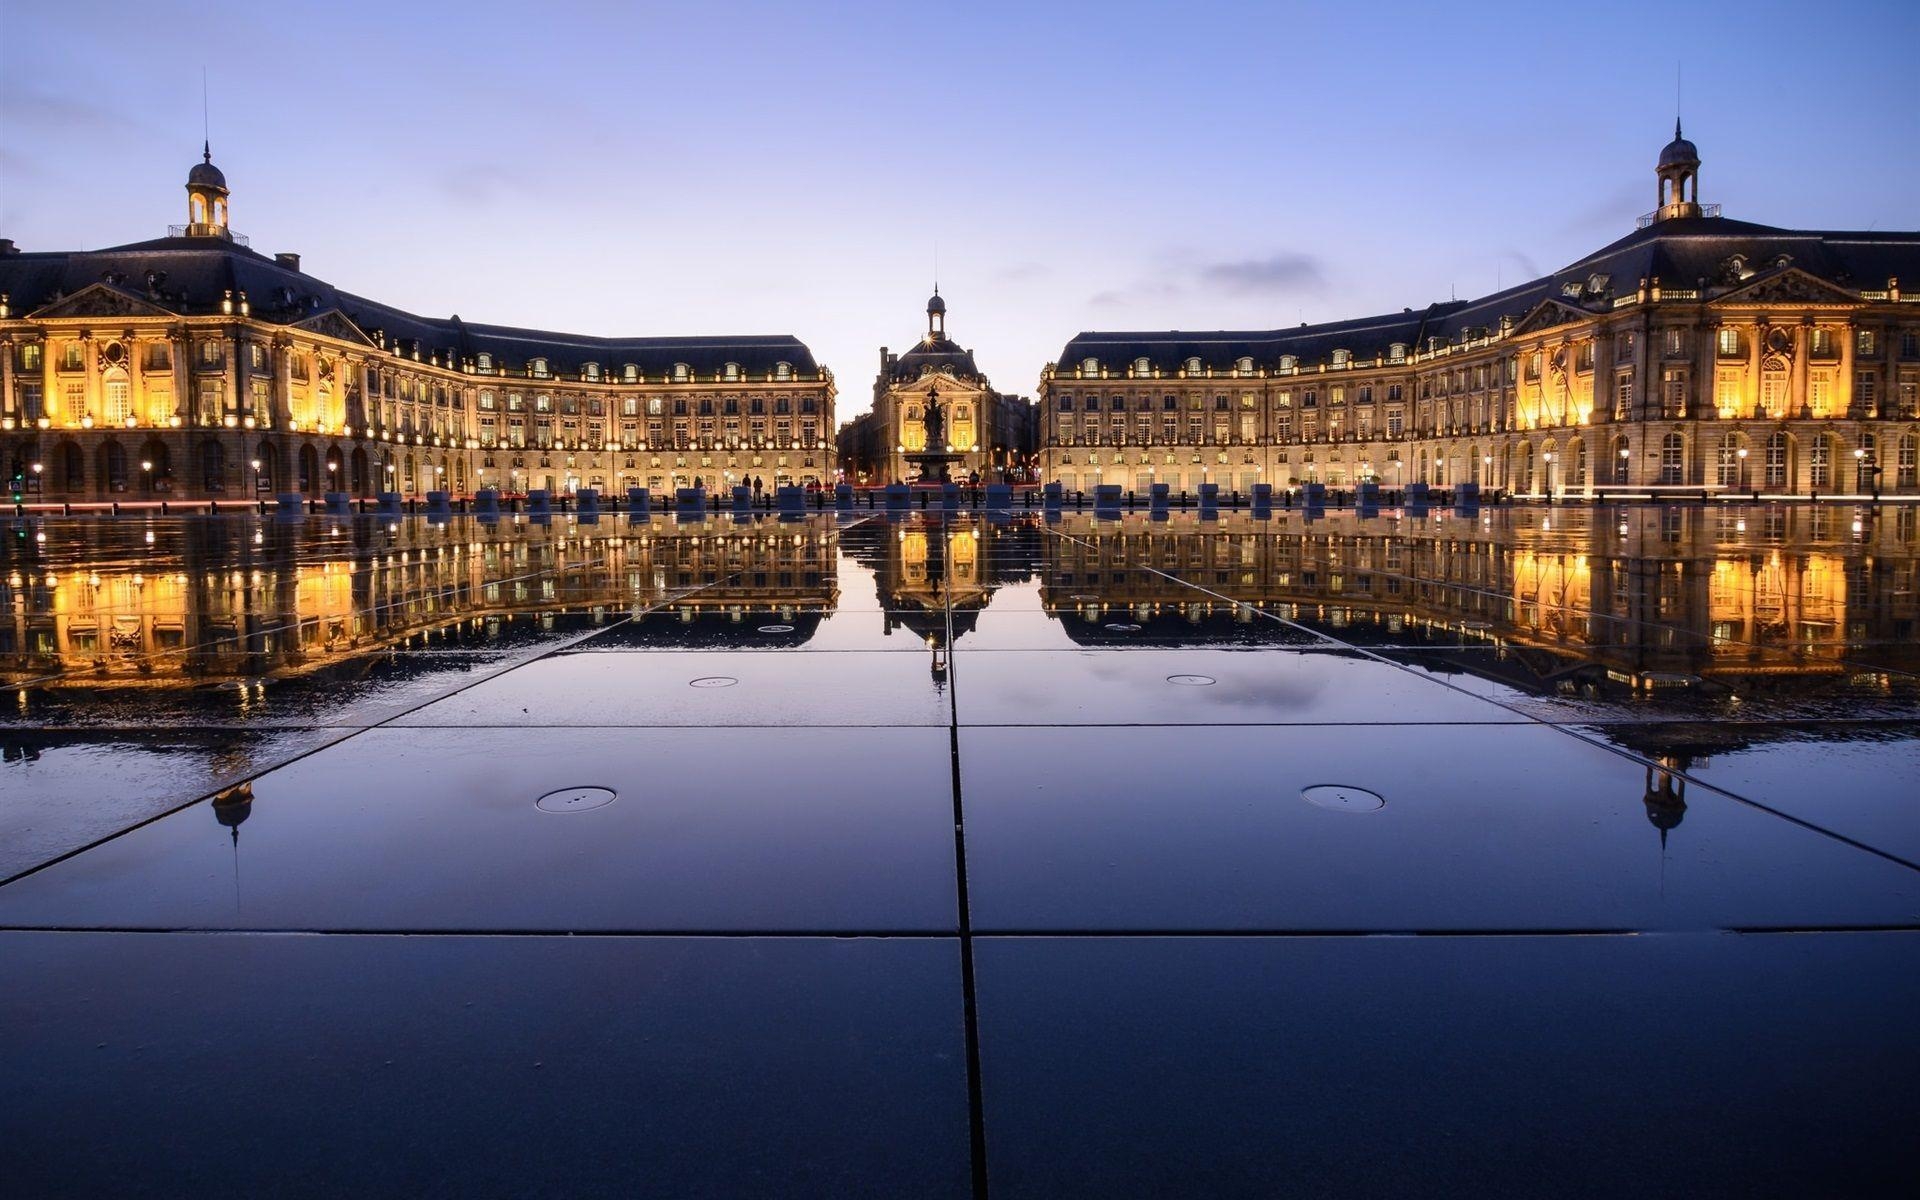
{"points": [[156, 469], [111, 460], [333, 480], [213, 467], [309, 470], [69, 468], [359, 464]]}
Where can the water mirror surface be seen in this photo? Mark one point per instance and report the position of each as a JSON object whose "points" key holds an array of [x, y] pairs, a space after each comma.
{"points": [[1674, 743]]}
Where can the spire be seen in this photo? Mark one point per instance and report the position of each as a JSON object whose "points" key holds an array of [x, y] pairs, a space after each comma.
{"points": [[206, 148]]}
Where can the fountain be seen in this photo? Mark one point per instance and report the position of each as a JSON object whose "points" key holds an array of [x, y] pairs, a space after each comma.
{"points": [[933, 463]]}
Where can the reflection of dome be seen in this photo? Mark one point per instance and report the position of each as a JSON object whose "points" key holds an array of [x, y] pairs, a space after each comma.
{"points": [[205, 174], [233, 806], [1679, 152]]}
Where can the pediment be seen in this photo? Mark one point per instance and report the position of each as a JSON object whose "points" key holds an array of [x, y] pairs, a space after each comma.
{"points": [[101, 300], [334, 324], [942, 378], [1790, 285], [1548, 314]]}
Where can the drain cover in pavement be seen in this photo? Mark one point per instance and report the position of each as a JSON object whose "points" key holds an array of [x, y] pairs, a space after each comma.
{"points": [[575, 799], [776, 629], [1191, 680], [1342, 798], [706, 681]]}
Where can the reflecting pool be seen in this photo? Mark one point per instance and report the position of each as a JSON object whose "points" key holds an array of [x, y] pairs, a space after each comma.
{"points": [[1076, 853]]}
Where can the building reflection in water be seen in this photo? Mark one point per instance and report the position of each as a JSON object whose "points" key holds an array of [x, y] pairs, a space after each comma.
{"points": [[1613, 607]]}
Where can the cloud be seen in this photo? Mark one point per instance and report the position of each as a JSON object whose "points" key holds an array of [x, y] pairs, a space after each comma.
{"points": [[1277, 273], [59, 115], [1121, 297], [1023, 272]]}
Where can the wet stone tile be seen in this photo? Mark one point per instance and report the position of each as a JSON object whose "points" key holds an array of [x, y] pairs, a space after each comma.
{"points": [[440, 830], [849, 689], [466, 1066], [1192, 686], [1858, 779], [1449, 1066], [1474, 828]]}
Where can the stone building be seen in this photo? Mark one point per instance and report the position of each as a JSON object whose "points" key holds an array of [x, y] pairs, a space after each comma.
{"points": [[1698, 353], [994, 433], [192, 366]]}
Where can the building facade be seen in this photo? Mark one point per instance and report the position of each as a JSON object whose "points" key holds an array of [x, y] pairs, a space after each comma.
{"points": [[994, 433], [1698, 353], [192, 366]]}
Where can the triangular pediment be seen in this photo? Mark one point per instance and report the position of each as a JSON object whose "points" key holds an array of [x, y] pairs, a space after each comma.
{"points": [[1789, 285], [334, 324], [1548, 314], [942, 378], [101, 300]]}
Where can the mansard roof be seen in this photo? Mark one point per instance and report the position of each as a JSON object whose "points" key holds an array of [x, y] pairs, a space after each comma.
{"points": [[1713, 254], [191, 276], [941, 354]]}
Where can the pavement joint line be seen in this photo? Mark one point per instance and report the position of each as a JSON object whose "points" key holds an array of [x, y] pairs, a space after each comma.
{"points": [[1011, 933]]}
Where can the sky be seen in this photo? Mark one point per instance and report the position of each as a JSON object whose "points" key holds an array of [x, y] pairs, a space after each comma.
{"points": [[644, 169]]}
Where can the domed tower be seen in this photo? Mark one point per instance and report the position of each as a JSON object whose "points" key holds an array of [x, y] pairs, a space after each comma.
{"points": [[1679, 174], [936, 316], [207, 198]]}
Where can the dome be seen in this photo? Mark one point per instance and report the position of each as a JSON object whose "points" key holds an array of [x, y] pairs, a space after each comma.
{"points": [[205, 174], [936, 304], [1679, 151]]}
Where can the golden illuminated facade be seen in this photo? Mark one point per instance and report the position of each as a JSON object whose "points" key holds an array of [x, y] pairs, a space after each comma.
{"points": [[192, 367], [1697, 354], [993, 434]]}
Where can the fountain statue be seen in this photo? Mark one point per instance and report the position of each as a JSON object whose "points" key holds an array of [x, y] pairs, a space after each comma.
{"points": [[935, 458]]}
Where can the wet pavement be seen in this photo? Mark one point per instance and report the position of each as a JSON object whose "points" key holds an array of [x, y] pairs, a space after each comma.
{"points": [[1472, 853]]}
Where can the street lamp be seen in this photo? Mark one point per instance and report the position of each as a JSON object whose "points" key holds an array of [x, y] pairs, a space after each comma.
{"points": [[1547, 457], [256, 474], [1741, 454], [146, 474]]}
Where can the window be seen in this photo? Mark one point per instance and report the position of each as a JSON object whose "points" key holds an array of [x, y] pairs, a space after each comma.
{"points": [[1673, 459], [1727, 461], [1909, 344], [1397, 352], [1289, 363], [783, 371], [1863, 343], [1193, 366], [486, 363], [537, 367], [159, 356], [629, 373], [1727, 342], [1676, 343], [1142, 367], [1821, 342], [682, 372], [730, 371], [590, 371], [1865, 390], [1245, 365], [1090, 366], [1820, 463], [1907, 463], [1623, 396], [30, 356]]}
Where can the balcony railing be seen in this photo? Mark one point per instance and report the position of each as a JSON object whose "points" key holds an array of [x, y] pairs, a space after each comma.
{"points": [[1706, 210], [238, 239]]}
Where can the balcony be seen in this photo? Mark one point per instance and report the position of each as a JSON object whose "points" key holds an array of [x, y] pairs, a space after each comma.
{"points": [[181, 231]]}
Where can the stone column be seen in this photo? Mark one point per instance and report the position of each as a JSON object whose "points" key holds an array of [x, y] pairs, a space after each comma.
{"points": [[1757, 336], [1604, 376], [1797, 388], [9, 398], [1843, 386], [183, 399], [90, 377], [282, 410]]}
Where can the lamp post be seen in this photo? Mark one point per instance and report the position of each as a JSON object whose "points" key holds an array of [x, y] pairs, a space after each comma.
{"points": [[146, 476], [1624, 455], [1859, 469], [1741, 454], [1547, 457]]}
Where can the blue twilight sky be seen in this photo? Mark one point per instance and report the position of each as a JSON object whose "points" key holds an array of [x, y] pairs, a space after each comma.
{"points": [[756, 168]]}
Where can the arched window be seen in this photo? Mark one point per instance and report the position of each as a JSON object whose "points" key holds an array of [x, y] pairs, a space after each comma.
{"points": [[630, 373], [1244, 366], [1142, 367], [682, 372], [590, 371], [1090, 366], [486, 362], [1342, 358], [537, 367], [199, 210], [783, 370], [1397, 352], [118, 397], [731, 371], [1193, 366], [1622, 460], [1673, 458]]}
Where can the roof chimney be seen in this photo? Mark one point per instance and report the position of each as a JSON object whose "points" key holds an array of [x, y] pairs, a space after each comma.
{"points": [[288, 260]]}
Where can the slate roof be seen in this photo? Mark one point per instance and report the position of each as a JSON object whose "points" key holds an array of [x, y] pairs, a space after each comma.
{"points": [[1686, 252], [190, 275], [938, 353]]}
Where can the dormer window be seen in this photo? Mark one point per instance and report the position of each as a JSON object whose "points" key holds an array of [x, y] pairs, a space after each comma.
{"points": [[537, 367], [1397, 352], [1342, 358], [590, 371], [1289, 363], [1090, 366], [1244, 366], [682, 372], [783, 370], [1193, 366], [485, 363], [731, 371], [1142, 368], [630, 374]]}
